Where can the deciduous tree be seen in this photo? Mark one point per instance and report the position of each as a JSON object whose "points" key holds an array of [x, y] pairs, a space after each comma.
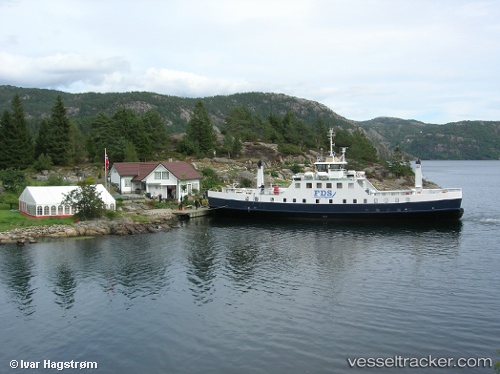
{"points": [[85, 200]]}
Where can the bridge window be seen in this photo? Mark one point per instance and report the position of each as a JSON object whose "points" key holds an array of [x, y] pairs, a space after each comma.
{"points": [[317, 201], [330, 201], [344, 201], [328, 185], [309, 185], [297, 185], [351, 185], [319, 185], [339, 185], [304, 200], [294, 200], [355, 201]]}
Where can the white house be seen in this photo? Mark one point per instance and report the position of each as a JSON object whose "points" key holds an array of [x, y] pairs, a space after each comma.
{"points": [[45, 201], [169, 179]]}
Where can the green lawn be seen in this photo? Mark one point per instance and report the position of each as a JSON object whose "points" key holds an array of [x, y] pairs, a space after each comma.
{"points": [[10, 220]]}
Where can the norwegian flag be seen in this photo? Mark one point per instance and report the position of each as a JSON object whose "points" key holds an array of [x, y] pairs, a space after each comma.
{"points": [[106, 160]]}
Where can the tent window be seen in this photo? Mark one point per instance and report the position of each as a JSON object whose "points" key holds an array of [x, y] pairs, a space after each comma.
{"points": [[53, 210], [67, 209], [45, 210], [39, 211], [60, 210]]}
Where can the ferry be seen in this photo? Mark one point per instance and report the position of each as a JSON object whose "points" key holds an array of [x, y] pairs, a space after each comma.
{"points": [[332, 192]]}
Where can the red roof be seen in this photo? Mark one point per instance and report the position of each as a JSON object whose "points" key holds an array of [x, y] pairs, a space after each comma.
{"points": [[140, 170]]}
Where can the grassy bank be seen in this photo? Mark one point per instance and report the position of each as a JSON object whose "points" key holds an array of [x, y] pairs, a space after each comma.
{"points": [[14, 220]]}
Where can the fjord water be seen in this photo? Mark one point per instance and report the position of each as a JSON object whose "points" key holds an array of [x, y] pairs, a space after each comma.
{"points": [[232, 296]]}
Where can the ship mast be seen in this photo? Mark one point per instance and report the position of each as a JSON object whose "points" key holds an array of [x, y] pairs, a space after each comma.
{"points": [[330, 135]]}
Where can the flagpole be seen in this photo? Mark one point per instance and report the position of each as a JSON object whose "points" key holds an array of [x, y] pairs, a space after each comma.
{"points": [[105, 170]]}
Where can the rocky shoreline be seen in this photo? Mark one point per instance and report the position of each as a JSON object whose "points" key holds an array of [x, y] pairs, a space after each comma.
{"points": [[123, 226]]}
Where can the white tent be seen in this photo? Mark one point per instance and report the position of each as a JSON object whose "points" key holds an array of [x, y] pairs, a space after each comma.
{"points": [[46, 201]]}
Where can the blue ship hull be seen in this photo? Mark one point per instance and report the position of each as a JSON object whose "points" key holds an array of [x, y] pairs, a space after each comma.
{"points": [[442, 210]]}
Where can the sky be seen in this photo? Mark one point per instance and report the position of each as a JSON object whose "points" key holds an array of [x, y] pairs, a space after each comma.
{"points": [[435, 61]]}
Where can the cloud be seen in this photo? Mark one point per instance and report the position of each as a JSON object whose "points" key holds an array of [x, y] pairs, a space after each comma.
{"points": [[362, 58], [60, 71]]}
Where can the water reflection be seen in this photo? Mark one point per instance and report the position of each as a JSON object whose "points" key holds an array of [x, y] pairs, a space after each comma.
{"points": [[242, 260], [65, 287], [137, 269], [17, 273], [201, 271]]}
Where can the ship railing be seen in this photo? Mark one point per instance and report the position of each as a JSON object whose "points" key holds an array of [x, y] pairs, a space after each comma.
{"points": [[414, 192], [237, 190]]}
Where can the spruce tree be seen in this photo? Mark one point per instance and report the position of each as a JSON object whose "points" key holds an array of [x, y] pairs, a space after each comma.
{"points": [[24, 140], [17, 144], [200, 132], [59, 140], [154, 127], [41, 140], [5, 130]]}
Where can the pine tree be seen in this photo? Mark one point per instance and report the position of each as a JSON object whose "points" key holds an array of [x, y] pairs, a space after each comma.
{"points": [[200, 132]]}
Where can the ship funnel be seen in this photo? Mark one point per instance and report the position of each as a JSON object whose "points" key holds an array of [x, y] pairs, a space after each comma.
{"points": [[418, 175], [260, 174]]}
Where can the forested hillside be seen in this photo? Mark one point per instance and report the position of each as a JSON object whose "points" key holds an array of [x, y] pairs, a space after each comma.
{"points": [[465, 140], [149, 122]]}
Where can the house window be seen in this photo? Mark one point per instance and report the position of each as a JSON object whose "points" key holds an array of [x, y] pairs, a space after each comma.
{"points": [[165, 175], [157, 175], [127, 182]]}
